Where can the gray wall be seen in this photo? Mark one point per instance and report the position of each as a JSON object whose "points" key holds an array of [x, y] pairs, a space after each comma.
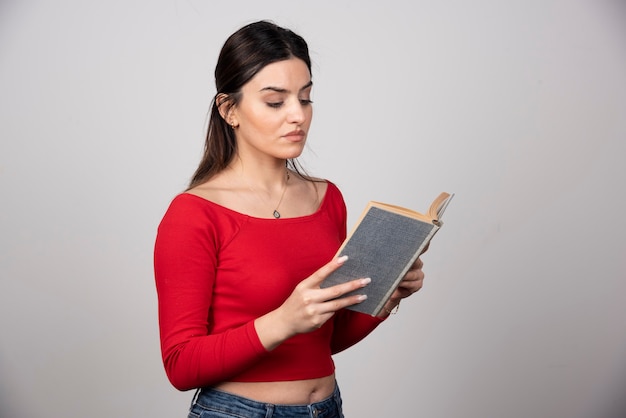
{"points": [[518, 107]]}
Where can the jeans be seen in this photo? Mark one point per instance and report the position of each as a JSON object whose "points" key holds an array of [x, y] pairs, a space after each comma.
{"points": [[211, 403]]}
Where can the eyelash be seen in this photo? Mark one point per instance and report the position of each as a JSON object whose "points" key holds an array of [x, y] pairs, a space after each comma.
{"points": [[277, 105]]}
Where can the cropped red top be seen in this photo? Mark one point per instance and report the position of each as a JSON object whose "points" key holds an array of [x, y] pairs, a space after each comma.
{"points": [[218, 270]]}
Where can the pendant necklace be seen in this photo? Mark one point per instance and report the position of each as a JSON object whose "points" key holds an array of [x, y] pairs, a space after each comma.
{"points": [[276, 212]]}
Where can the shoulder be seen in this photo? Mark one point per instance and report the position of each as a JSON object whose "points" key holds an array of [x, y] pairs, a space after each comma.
{"points": [[190, 212], [185, 211], [326, 192], [333, 202], [323, 187], [331, 191], [195, 225], [216, 190], [332, 188]]}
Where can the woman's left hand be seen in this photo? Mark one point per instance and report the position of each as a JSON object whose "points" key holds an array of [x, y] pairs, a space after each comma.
{"points": [[412, 282]]}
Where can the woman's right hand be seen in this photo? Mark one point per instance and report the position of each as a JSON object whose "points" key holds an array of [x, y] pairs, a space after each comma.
{"points": [[308, 307]]}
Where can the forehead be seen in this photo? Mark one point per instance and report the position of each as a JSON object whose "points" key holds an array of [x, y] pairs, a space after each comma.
{"points": [[292, 74]]}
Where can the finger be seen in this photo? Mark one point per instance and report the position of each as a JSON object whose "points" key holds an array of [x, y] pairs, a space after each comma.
{"points": [[338, 290], [341, 303], [318, 277], [419, 263], [413, 275], [411, 286]]}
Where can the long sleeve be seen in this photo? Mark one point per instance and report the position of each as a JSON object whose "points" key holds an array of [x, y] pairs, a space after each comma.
{"points": [[351, 327], [185, 262]]}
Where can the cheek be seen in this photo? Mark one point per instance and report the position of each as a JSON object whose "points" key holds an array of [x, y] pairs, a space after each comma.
{"points": [[264, 119]]}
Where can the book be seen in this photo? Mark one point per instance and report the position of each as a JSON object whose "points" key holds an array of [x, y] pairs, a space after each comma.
{"points": [[383, 245]]}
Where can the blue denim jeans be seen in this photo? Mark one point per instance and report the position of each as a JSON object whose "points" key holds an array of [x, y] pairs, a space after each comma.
{"points": [[211, 403]]}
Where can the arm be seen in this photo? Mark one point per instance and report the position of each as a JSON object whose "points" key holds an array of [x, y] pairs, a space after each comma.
{"points": [[350, 327], [185, 263]]}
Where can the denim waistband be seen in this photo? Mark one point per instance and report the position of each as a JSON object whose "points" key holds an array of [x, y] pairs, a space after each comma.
{"points": [[230, 405]]}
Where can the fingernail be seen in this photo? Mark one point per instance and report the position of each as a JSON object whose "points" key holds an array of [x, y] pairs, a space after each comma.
{"points": [[365, 281], [342, 259], [361, 298]]}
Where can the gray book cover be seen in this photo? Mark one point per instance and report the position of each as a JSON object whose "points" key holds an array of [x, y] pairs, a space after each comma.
{"points": [[383, 246]]}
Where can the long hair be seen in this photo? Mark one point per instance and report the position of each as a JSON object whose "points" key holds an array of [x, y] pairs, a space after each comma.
{"points": [[244, 54]]}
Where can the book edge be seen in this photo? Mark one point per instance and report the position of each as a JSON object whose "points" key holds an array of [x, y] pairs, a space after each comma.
{"points": [[431, 216]]}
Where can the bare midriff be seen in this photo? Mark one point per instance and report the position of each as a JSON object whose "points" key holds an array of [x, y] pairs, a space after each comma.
{"points": [[295, 392]]}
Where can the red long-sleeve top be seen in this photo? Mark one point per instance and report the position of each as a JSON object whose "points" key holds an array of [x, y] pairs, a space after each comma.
{"points": [[218, 270]]}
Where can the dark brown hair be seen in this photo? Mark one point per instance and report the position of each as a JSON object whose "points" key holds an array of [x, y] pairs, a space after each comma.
{"points": [[243, 55]]}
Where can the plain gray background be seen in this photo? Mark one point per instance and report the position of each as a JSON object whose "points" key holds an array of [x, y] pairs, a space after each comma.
{"points": [[519, 107]]}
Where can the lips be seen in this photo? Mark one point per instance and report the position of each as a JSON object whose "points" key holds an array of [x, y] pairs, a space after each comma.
{"points": [[297, 135]]}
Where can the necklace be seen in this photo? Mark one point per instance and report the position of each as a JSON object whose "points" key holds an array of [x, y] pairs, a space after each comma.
{"points": [[276, 212]]}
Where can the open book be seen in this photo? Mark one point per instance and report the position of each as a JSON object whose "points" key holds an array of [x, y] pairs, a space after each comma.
{"points": [[383, 245]]}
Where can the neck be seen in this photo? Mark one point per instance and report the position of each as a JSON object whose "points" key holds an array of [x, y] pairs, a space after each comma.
{"points": [[262, 177], [268, 184]]}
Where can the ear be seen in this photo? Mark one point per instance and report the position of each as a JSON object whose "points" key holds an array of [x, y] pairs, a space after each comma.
{"points": [[225, 106]]}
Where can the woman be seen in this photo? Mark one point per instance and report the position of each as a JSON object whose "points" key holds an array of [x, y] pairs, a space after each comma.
{"points": [[240, 256]]}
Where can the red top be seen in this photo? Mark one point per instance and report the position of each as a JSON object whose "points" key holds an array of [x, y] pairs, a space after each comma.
{"points": [[218, 270]]}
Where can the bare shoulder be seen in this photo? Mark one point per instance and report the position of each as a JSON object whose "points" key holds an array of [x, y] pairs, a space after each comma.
{"points": [[217, 190], [308, 193]]}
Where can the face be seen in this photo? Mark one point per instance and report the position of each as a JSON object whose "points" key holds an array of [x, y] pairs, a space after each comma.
{"points": [[274, 114]]}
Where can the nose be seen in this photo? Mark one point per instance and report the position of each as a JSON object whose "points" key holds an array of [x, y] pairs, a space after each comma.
{"points": [[297, 113]]}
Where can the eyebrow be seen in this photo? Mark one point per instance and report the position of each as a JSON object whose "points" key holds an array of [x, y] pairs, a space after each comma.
{"points": [[282, 90]]}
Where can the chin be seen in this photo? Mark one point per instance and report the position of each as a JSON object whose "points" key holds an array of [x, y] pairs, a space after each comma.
{"points": [[293, 153]]}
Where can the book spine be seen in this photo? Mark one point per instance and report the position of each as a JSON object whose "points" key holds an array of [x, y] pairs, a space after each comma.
{"points": [[406, 268]]}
